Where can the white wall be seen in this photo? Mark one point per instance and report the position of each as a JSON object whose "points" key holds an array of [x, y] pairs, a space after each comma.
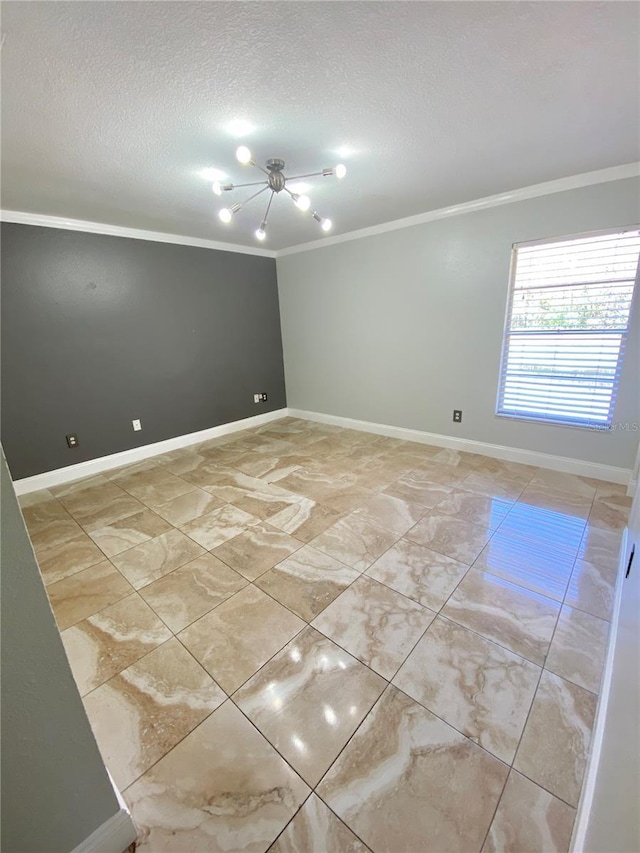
{"points": [[403, 327]]}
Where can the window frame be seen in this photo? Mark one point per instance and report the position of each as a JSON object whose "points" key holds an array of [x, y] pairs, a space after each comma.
{"points": [[502, 373]]}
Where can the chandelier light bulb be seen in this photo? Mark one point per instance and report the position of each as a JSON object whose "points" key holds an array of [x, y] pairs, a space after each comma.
{"points": [[303, 202], [217, 188], [243, 154], [340, 170], [326, 224], [261, 232], [225, 215]]}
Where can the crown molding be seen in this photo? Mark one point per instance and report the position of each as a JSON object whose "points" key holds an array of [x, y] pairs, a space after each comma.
{"points": [[602, 176], [22, 218]]}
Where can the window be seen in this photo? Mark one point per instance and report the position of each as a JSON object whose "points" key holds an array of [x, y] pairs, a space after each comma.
{"points": [[566, 327]]}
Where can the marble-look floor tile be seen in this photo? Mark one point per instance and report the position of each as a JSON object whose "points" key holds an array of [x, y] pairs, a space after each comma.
{"points": [[185, 508], [592, 588], [194, 589], [558, 481], [266, 502], [89, 486], [610, 511], [308, 701], [486, 511], [555, 744], [444, 475], [567, 503], [100, 504], [418, 491], [349, 498], [456, 458], [390, 513], [387, 784], [141, 713], [601, 547], [223, 788], [233, 641], [104, 644], [33, 499], [307, 582], [316, 828], [529, 820], [157, 557], [64, 560], [258, 549], [40, 508], [59, 531], [533, 564], [305, 520], [578, 648], [354, 542], [518, 619], [216, 527], [128, 532], [86, 592], [419, 573], [375, 624], [505, 468], [450, 536], [479, 688], [155, 487], [495, 486]]}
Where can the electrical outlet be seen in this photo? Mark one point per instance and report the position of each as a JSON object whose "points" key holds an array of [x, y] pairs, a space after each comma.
{"points": [[260, 398], [137, 426], [457, 416], [73, 440]]}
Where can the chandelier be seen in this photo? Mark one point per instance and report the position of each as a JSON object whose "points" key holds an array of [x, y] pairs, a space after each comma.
{"points": [[275, 181]]}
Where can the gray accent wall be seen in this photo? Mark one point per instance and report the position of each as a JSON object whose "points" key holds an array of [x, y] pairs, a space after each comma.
{"points": [[402, 327], [99, 330], [55, 789]]}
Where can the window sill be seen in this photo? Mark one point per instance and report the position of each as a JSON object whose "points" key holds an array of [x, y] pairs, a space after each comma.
{"points": [[604, 428]]}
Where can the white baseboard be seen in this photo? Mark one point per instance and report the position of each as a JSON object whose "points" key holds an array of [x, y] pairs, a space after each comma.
{"points": [[591, 774], [498, 451], [137, 454], [113, 836]]}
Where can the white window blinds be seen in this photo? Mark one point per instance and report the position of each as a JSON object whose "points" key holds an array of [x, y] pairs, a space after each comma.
{"points": [[567, 321]]}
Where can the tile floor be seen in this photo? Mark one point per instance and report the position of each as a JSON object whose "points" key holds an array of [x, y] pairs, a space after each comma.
{"points": [[304, 638]]}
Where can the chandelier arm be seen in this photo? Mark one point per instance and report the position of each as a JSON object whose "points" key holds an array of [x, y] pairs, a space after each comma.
{"points": [[255, 195], [240, 186], [308, 175], [264, 220]]}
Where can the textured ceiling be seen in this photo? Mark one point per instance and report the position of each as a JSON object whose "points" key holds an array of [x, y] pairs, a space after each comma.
{"points": [[111, 110]]}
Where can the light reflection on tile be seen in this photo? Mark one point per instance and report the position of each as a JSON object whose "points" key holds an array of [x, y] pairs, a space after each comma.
{"points": [[532, 564], [308, 700]]}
